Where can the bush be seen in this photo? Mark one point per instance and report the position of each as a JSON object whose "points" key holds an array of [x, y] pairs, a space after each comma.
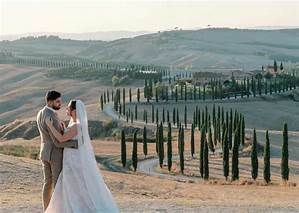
{"points": [[115, 80]]}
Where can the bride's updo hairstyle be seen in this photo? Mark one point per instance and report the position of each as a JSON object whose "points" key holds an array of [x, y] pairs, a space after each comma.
{"points": [[73, 105]]}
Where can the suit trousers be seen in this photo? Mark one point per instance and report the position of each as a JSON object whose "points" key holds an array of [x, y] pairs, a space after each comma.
{"points": [[51, 171]]}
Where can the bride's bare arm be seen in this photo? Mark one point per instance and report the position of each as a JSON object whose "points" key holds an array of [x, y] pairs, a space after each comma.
{"points": [[71, 133]]}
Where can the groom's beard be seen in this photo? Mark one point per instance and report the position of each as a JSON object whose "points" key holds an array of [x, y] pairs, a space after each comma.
{"points": [[56, 108]]}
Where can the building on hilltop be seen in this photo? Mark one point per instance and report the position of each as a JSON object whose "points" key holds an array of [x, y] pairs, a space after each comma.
{"points": [[202, 78]]}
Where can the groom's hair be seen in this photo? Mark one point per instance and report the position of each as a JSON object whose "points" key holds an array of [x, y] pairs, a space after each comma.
{"points": [[52, 95]]}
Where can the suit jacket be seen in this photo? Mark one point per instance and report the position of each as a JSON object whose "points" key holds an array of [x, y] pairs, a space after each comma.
{"points": [[51, 149]]}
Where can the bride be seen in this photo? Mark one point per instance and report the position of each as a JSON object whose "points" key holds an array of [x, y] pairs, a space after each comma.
{"points": [[80, 187]]}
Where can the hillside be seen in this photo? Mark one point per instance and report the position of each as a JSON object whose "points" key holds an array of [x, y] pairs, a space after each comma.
{"points": [[205, 48]]}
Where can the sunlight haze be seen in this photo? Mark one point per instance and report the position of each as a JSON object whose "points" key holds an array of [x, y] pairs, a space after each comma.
{"points": [[89, 16]]}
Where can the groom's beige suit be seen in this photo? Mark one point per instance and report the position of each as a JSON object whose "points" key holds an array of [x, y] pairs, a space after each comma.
{"points": [[51, 151]]}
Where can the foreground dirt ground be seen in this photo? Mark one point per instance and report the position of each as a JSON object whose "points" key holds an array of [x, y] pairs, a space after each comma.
{"points": [[21, 182]]}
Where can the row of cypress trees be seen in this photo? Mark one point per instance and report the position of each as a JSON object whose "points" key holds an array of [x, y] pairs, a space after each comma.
{"points": [[204, 152], [216, 89]]}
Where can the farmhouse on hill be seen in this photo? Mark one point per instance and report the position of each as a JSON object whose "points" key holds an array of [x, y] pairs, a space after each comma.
{"points": [[201, 78]]}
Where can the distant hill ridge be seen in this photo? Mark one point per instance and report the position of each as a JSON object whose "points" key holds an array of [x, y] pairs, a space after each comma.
{"points": [[192, 49]]}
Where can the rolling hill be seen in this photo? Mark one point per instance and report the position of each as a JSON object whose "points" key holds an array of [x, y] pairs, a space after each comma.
{"points": [[198, 49]]}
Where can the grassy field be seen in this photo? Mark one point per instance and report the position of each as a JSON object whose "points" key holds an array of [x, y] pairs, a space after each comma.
{"points": [[22, 91], [22, 183]]}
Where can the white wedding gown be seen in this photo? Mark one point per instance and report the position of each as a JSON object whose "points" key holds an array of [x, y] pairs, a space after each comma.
{"points": [[80, 187]]}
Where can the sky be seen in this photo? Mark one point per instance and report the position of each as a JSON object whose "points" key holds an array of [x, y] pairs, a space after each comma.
{"points": [[77, 16]]}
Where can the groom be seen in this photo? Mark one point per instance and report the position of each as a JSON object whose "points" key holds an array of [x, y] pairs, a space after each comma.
{"points": [[51, 151]]}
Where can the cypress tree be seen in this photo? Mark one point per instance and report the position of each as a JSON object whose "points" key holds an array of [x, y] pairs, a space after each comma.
{"points": [[185, 93], [169, 148], [123, 149], [285, 155], [145, 116], [130, 95], [176, 94], [225, 155], [144, 141], [134, 152], [157, 138], [235, 157], [161, 145], [177, 117], [201, 151], [254, 160], [275, 66], [267, 174], [102, 102], [192, 140], [153, 114], [136, 113], [138, 95], [124, 100], [181, 150], [242, 131], [179, 138], [230, 130], [185, 117], [173, 116], [157, 116], [206, 161], [281, 66]]}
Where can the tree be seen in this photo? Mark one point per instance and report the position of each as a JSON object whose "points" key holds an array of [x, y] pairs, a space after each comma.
{"points": [[130, 95], [177, 117], [124, 101], [185, 117], [281, 66], [138, 95], [134, 151], [254, 160], [285, 155], [235, 157], [169, 148], [144, 141], [157, 138], [225, 155], [123, 149], [192, 140], [102, 103], [176, 94], [230, 129], [136, 112], [275, 66], [153, 114], [206, 161], [267, 173], [161, 145], [181, 149], [173, 116], [242, 123], [201, 151]]}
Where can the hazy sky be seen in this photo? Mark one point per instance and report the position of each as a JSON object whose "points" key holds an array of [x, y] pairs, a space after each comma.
{"points": [[102, 15]]}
